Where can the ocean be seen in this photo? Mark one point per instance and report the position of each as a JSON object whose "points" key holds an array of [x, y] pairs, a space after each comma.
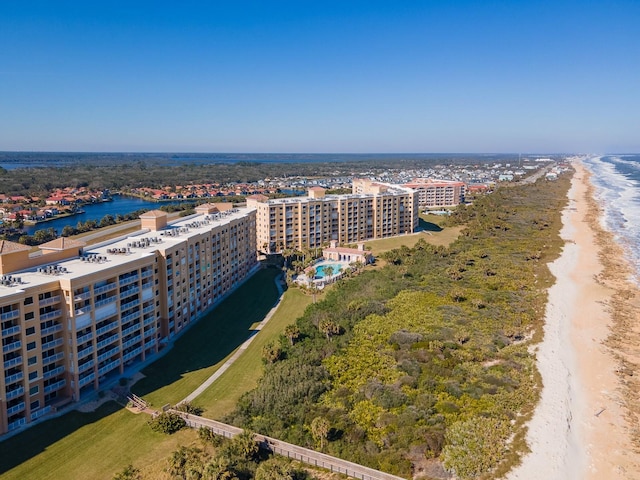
{"points": [[616, 179]]}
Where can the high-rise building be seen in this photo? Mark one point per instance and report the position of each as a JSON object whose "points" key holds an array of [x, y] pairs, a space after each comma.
{"points": [[373, 210], [73, 317], [438, 193]]}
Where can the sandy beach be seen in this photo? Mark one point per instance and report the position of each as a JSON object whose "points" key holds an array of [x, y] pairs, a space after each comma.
{"points": [[586, 424]]}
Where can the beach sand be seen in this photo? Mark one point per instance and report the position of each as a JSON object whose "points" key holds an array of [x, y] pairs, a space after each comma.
{"points": [[586, 424]]}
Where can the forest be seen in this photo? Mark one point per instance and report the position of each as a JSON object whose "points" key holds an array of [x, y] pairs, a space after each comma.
{"points": [[422, 366]]}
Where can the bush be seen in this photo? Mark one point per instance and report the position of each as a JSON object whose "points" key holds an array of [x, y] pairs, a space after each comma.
{"points": [[167, 422]]}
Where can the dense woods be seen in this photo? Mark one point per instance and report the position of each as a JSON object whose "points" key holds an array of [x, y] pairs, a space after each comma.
{"points": [[427, 369]]}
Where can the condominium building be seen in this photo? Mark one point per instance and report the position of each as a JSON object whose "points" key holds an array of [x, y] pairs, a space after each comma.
{"points": [[438, 193], [73, 317], [373, 210]]}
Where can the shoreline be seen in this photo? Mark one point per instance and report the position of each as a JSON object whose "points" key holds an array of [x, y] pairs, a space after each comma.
{"points": [[585, 425]]}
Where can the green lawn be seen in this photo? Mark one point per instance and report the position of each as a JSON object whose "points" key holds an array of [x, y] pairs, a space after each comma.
{"points": [[83, 446], [96, 445], [221, 397]]}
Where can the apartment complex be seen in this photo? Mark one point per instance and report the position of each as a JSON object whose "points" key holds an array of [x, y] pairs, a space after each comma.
{"points": [[74, 316], [372, 210], [438, 193]]}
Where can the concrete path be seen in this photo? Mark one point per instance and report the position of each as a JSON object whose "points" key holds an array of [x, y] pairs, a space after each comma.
{"points": [[207, 383]]}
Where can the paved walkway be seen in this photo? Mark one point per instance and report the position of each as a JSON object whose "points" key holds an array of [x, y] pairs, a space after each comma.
{"points": [[207, 383]]}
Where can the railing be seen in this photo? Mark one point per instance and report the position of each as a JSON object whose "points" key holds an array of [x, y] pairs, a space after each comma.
{"points": [[104, 288], [108, 367], [81, 311], [107, 328], [10, 347], [130, 316], [51, 315], [148, 309], [85, 352], [289, 450], [85, 366], [55, 386], [81, 296], [105, 301], [89, 378], [13, 362], [147, 273], [149, 321], [128, 292], [7, 332], [149, 332], [40, 412], [85, 338], [52, 329], [52, 344], [130, 329], [107, 341], [15, 409], [48, 301], [126, 306], [127, 280], [52, 358], [53, 373], [15, 393], [10, 315], [131, 354], [107, 354], [17, 423], [131, 341]]}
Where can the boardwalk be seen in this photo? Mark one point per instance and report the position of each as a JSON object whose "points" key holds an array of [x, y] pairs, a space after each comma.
{"points": [[289, 450]]}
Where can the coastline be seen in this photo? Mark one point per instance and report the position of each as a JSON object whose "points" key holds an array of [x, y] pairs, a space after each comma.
{"points": [[586, 423]]}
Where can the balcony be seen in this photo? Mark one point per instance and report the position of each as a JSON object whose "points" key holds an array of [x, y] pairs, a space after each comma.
{"points": [[132, 353], [104, 288], [78, 297], [10, 347], [16, 377], [85, 352], [85, 338], [15, 409], [147, 273], [108, 354], [15, 393], [108, 367], [104, 301], [7, 332], [149, 321], [49, 301], [148, 309], [13, 362], [107, 341], [55, 386], [17, 423], [128, 292], [52, 358], [108, 327], [88, 379], [131, 341], [9, 315], [149, 332], [80, 311], [128, 280], [86, 366], [126, 306], [53, 373], [52, 344], [40, 412], [130, 316], [52, 329], [50, 315], [131, 329]]}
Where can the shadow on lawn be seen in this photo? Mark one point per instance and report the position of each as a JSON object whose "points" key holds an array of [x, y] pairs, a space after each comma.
{"points": [[35, 440], [216, 335], [429, 226]]}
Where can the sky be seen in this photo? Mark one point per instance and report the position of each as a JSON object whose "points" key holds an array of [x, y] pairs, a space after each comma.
{"points": [[329, 76]]}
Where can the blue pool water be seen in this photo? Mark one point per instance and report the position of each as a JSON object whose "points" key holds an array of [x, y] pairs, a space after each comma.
{"points": [[320, 269]]}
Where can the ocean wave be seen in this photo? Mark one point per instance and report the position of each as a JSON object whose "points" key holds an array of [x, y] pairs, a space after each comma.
{"points": [[617, 190]]}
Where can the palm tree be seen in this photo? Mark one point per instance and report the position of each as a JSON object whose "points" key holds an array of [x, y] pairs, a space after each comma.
{"points": [[320, 430], [292, 332]]}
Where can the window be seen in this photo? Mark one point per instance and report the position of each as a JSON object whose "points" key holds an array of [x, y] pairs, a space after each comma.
{"points": [[31, 345], [31, 330], [34, 390], [35, 405], [28, 301], [33, 375], [28, 316], [32, 360]]}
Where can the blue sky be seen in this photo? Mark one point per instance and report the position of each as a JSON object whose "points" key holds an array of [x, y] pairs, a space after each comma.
{"points": [[321, 76]]}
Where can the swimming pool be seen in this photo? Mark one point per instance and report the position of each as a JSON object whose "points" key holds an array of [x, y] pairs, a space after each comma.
{"points": [[321, 269]]}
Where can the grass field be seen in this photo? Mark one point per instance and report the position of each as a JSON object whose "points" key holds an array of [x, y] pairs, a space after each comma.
{"points": [[243, 375], [431, 233]]}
